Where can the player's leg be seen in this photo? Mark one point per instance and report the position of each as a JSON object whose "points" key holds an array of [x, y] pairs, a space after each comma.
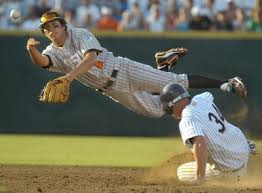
{"points": [[165, 60], [141, 102], [187, 172], [150, 104], [146, 78], [135, 81], [143, 77]]}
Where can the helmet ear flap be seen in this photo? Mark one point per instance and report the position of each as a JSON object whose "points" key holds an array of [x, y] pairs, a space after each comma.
{"points": [[167, 109]]}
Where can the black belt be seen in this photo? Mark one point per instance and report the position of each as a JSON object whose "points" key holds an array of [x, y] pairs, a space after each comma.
{"points": [[109, 82]]}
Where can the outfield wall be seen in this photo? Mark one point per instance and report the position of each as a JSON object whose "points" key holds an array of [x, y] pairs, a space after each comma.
{"points": [[89, 112]]}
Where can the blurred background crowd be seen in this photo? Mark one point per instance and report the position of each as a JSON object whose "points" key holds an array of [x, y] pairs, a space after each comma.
{"points": [[138, 15]]}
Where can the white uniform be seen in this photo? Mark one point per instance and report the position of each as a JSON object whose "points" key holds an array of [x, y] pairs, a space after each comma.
{"points": [[133, 82], [227, 146]]}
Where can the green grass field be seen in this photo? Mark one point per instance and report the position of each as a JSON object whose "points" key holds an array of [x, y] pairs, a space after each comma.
{"points": [[89, 151]]}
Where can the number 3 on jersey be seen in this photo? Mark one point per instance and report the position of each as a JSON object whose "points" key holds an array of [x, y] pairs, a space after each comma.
{"points": [[219, 119]]}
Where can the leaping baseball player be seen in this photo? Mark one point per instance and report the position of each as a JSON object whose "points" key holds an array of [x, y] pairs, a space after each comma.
{"points": [[220, 148], [78, 55]]}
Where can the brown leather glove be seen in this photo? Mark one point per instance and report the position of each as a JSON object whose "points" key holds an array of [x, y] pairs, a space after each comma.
{"points": [[56, 91]]}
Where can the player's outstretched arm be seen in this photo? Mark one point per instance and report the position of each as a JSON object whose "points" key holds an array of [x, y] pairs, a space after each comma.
{"points": [[35, 55], [200, 155], [83, 67]]}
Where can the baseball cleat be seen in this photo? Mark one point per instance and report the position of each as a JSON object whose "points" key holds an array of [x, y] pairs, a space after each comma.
{"points": [[252, 147], [238, 87], [167, 59]]}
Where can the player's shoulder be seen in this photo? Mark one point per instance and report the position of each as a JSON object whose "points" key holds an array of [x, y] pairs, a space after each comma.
{"points": [[79, 31], [203, 96], [48, 49], [196, 105], [82, 34], [188, 111]]}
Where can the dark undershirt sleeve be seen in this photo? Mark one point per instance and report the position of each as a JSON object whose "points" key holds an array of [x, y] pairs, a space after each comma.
{"points": [[50, 63], [93, 50]]}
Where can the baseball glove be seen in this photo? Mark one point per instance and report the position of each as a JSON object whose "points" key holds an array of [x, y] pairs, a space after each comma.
{"points": [[56, 91]]}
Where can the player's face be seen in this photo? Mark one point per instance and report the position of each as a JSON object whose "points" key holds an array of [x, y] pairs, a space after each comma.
{"points": [[177, 109], [54, 30], [176, 113]]}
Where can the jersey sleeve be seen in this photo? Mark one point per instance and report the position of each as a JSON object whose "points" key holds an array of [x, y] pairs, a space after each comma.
{"points": [[88, 42], [190, 128], [52, 66]]}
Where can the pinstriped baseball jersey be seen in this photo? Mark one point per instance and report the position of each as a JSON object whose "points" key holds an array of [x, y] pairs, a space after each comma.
{"points": [[226, 144], [134, 80]]}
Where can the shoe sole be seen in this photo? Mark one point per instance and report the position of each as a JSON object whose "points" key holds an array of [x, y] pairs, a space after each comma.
{"points": [[168, 61]]}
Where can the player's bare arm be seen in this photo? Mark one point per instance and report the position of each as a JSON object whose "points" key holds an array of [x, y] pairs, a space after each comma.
{"points": [[35, 55], [200, 155], [83, 67]]}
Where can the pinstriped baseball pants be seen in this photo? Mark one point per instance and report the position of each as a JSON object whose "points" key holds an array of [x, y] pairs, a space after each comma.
{"points": [[135, 82], [187, 172]]}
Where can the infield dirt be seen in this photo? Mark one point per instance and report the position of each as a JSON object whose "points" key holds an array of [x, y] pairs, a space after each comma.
{"points": [[161, 179]]}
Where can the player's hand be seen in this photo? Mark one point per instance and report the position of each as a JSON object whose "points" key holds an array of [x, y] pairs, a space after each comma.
{"points": [[31, 43], [198, 181]]}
